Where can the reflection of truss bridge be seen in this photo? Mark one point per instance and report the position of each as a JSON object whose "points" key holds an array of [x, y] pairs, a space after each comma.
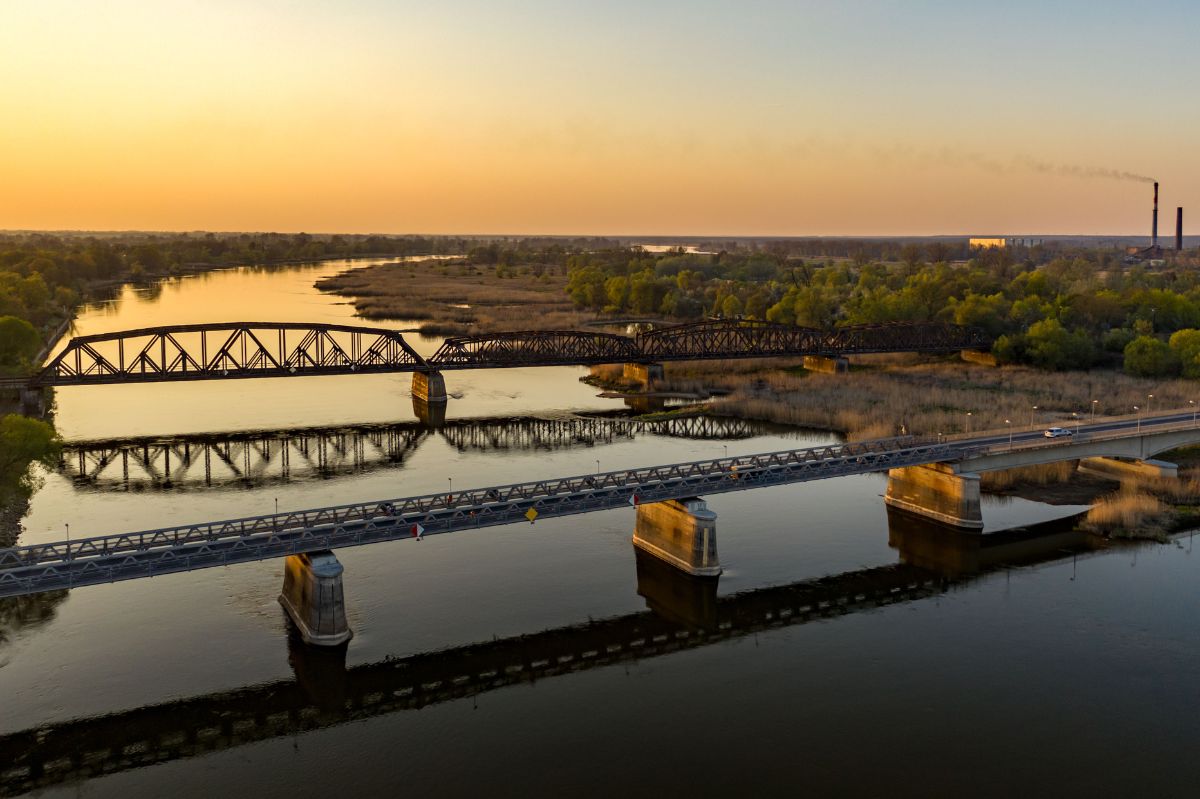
{"points": [[264, 457]]}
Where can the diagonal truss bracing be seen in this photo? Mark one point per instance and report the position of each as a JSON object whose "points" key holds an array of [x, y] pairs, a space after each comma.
{"points": [[228, 350], [44, 567]]}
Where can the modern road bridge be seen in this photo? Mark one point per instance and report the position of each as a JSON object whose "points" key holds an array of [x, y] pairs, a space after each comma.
{"points": [[687, 615], [931, 478], [35, 568], [278, 349]]}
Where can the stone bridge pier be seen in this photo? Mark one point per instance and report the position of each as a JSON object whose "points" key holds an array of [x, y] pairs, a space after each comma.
{"points": [[937, 492], [313, 598], [429, 386], [645, 373], [681, 532]]}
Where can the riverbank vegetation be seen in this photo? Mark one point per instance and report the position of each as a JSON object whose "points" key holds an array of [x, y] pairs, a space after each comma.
{"points": [[23, 442]]}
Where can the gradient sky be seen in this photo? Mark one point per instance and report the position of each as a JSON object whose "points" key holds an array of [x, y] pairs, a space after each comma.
{"points": [[522, 116]]}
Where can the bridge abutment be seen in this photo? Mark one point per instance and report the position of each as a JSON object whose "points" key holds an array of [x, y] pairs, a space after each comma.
{"points": [[829, 366], [1111, 467], [644, 373], [429, 386], [33, 401], [681, 532], [937, 492], [313, 598]]}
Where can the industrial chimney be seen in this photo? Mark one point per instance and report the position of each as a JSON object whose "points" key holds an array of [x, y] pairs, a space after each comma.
{"points": [[1154, 224], [1178, 229]]}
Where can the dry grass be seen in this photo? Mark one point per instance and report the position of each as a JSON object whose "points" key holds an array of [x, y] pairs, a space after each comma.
{"points": [[1042, 475], [458, 298], [1129, 514], [925, 398]]}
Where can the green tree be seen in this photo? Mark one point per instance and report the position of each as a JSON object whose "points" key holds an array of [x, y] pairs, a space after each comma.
{"points": [[1049, 345], [1186, 346], [19, 344], [1147, 356]]}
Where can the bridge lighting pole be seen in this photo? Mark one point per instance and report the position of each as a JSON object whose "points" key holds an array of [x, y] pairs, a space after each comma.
{"points": [[1031, 413], [597, 466], [1139, 413], [1193, 404], [968, 422], [450, 495], [1149, 403], [1075, 414], [68, 526], [726, 448], [1009, 423], [1094, 402]]}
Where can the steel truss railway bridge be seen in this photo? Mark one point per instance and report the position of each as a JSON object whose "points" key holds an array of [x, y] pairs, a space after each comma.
{"points": [[281, 349], [686, 614], [278, 456]]}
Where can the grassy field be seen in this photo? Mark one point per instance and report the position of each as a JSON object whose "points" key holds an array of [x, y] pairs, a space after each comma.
{"points": [[456, 298]]}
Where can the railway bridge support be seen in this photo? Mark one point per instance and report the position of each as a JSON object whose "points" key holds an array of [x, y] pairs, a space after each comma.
{"points": [[429, 386]]}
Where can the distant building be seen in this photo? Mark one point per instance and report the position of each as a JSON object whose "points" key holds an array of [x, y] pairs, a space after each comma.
{"points": [[1000, 243]]}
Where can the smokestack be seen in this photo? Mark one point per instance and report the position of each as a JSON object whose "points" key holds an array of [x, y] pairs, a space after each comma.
{"points": [[1154, 224], [1178, 229]]}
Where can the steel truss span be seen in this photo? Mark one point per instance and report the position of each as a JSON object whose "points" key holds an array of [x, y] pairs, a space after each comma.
{"points": [[228, 350], [280, 349], [45, 567]]}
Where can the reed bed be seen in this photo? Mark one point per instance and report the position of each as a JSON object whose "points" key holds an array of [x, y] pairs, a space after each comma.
{"points": [[1129, 514], [925, 398], [457, 298], [1041, 475]]}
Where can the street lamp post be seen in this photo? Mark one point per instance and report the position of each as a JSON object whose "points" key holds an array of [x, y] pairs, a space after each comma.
{"points": [[1149, 403], [1139, 413], [1075, 414], [597, 466], [1009, 423], [1094, 402], [968, 422], [1193, 404], [450, 496], [1031, 413], [68, 526]]}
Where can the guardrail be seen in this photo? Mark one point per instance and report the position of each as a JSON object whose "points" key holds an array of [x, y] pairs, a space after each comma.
{"points": [[65, 564]]}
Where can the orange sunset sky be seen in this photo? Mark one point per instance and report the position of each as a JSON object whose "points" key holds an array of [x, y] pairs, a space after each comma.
{"points": [[749, 118]]}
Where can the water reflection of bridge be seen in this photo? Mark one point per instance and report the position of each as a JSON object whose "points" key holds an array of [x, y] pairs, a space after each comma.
{"points": [[686, 613], [279, 456]]}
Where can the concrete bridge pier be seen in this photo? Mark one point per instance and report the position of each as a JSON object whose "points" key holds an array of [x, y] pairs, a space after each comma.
{"points": [[645, 373], [937, 492], [313, 598], [1112, 467], [429, 386], [829, 366], [681, 532]]}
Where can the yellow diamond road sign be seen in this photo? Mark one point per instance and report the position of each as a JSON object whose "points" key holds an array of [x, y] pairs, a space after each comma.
{"points": [[531, 514]]}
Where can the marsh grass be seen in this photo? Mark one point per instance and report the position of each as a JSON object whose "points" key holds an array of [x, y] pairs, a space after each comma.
{"points": [[455, 298]]}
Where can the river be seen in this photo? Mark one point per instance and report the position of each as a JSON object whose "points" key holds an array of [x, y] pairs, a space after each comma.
{"points": [[1058, 665]]}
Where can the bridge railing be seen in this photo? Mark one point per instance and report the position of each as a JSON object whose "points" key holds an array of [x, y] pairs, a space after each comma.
{"points": [[442, 512]]}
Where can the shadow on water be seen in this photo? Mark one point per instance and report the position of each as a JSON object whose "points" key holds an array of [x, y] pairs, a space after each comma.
{"points": [[685, 613], [263, 457]]}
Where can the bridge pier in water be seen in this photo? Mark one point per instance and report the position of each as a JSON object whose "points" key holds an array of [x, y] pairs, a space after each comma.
{"points": [[313, 598], [644, 373], [681, 532], [1112, 467], [33, 402], [429, 386], [937, 492], [829, 366]]}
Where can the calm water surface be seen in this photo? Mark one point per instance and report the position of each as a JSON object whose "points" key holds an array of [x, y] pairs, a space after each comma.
{"points": [[1067, 670]]}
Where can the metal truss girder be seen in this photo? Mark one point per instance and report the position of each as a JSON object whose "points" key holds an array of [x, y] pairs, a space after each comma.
{"points": [[43, 567]]}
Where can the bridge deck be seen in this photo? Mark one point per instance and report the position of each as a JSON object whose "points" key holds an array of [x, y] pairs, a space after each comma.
{"points": [[124, 556], [233, 350]]}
